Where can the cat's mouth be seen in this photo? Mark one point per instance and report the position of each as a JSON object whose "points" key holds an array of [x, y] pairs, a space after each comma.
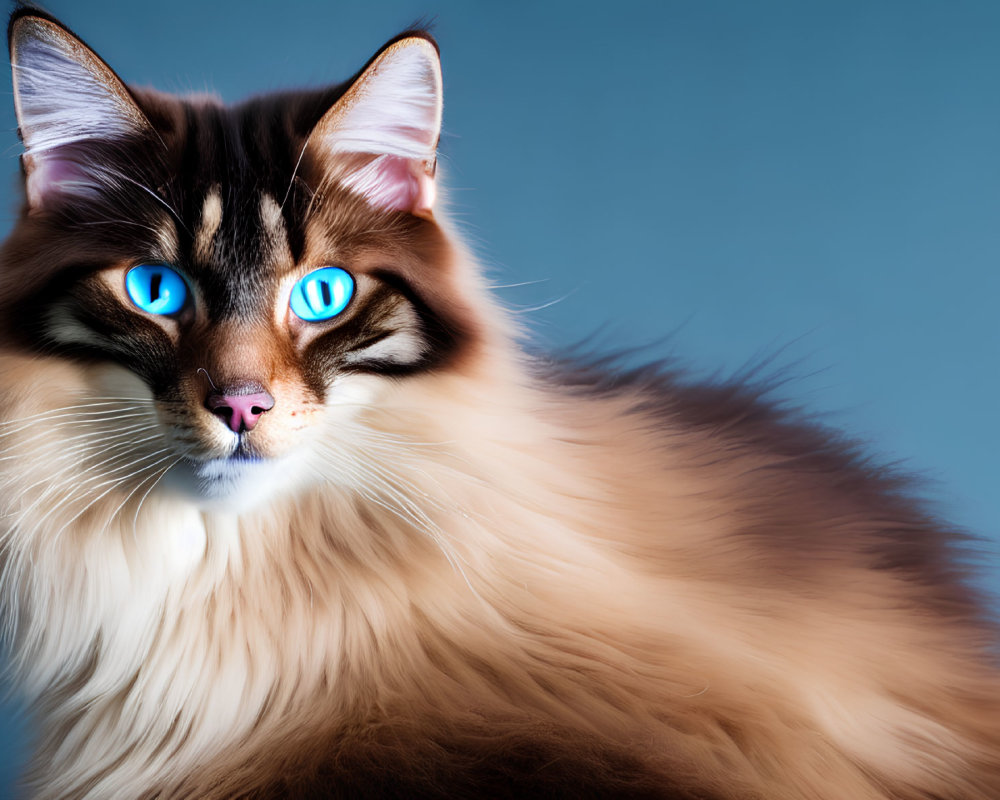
{"points": [[235, 482], [245, 452]]}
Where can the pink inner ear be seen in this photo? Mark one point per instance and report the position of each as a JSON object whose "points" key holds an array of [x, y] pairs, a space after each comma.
{"points": [[395, 183], [50, 176]]}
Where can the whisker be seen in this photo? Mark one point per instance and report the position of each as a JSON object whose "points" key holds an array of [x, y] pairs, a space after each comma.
{"points": [[73, 481], [295, 172], [400, 502], [56, 413], [516, 285], [130, 495], [112, 486], [151, 193], [138, 508], [100, 437]]}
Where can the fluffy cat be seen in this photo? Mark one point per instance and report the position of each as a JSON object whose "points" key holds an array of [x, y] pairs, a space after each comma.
{"points": [[288, 512]]}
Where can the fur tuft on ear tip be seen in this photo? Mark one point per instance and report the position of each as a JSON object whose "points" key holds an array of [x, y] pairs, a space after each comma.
{"points": [[392, 111]]}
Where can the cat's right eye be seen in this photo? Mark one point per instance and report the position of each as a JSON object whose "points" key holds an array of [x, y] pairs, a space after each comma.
{"points": [[156, 289]]}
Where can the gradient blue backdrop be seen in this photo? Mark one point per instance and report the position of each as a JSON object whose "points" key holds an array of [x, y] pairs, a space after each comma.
{"points": [[823, 177]]}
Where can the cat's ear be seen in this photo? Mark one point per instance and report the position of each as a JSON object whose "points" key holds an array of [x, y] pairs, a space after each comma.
{"points": [[65, 98], [392, 111]]}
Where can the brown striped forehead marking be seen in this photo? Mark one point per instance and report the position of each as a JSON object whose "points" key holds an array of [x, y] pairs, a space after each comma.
{"points": [[211, 218], [275, 232], [240, 246]]}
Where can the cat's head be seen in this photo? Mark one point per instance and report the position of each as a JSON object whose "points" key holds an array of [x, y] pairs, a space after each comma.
{"points": [[257, 274]]}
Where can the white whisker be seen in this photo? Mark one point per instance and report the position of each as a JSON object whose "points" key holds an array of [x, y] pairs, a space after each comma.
{"points": [[112, 485], [100, 436], [75, 482], [138, 508], [57, 413]]}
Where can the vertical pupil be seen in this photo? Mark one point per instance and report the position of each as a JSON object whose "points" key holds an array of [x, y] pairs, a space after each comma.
{"points": [[324, 287], [154, 286]]}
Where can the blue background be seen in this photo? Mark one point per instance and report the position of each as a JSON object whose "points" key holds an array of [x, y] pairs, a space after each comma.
{"points": [[817, 180]]}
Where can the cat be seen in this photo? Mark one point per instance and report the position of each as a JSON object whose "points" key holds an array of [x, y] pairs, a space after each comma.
{"points": [[288, 511]]}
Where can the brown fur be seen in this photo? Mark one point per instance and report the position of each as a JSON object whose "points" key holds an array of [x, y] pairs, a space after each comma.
{"points": [[482, 575]]}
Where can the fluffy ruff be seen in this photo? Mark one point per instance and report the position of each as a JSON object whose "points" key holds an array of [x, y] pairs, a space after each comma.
{"points": [[481, 580]]}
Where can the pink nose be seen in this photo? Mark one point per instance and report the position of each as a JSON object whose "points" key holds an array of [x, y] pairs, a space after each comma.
{"points": [[240, 411]]}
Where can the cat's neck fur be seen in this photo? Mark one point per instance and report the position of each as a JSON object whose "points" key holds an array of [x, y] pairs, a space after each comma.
{"points": [[495, 547]]}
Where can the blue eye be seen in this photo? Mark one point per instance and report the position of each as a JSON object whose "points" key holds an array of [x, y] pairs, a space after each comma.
{"points": [[156, 289], [322, 294]]}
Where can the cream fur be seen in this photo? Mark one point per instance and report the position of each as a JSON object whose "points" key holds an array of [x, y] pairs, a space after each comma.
{"points": [[569, 543]]}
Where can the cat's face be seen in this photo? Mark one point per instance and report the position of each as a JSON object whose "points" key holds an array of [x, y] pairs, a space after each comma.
{"points": [[258, 275]]}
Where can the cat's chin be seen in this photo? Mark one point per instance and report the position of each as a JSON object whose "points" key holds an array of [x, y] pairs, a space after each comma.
{"points": [[230, 484]]}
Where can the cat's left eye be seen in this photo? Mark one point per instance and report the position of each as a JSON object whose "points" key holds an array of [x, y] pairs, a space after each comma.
{"points": [[156, 289], [322, 294]]}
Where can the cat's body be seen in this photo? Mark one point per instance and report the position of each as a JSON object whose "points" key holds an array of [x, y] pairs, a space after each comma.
{"points": [[436, 566]]}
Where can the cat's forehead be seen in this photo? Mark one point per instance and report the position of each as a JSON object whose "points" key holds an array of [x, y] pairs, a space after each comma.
{"points": [[235, 190], [256, 144], [238, 245]]}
